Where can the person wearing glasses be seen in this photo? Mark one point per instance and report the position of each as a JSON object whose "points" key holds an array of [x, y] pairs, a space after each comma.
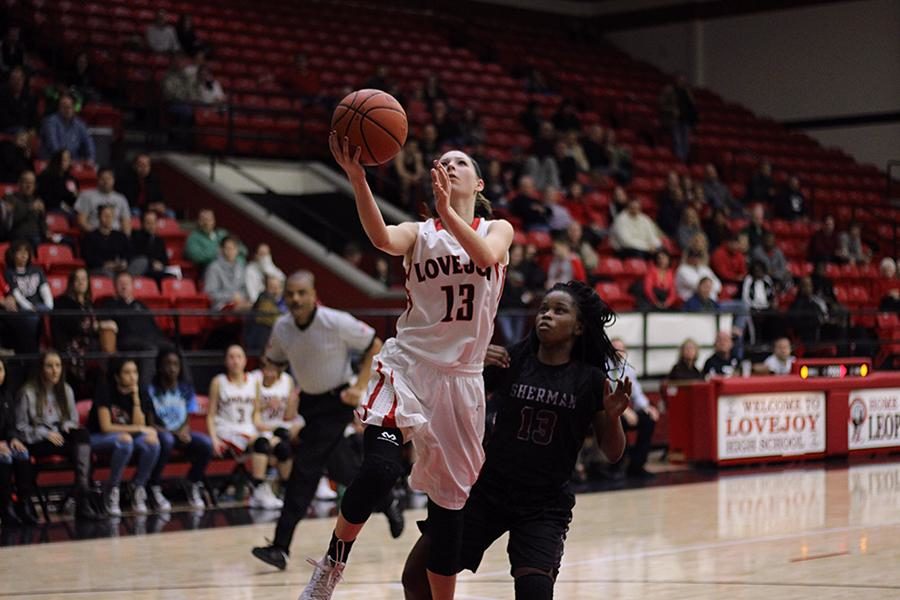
{"points": [[641, 416], [551, 388]]}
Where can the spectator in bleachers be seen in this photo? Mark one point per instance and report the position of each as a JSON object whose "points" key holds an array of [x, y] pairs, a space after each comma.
{"points": [[558, 216], [689, 273], [137, 329], [618, 159], [187, 36], [258, 269], [14, 458], [757, 288], [268, 306], [564, 264], [18, 108], [729, 260], [139, 184], [718, 229], [105, 250], [619, 202], [566, 118], [26, 213], [202, 245], [495, 186], [791, 204], [531, 119], [178, 87], [471, 129], [28, 285], [300, 81], [657, 290], [761, 187], [685, 370], [824, 245], [225, 280], [233, 418], [409, 167], [581, 247], [670, 206], [535, 276], [634, 234], [149, 257], [516, 297], [689, 227], [12, 51], [80, 79], [723, 361], [852, 247], [888, 287], [172, 401], [717, 193], [780, 361], [87, 206], [63, 130], [382, 272], [541, 164], [15, 156], [47, 420], [566, 165], [807, 313], [640, 416], [380, 79], [161, 36], [774, 260], [56, 185], [430, 146], [678, 113], [207, 89], [527, 206], [575, 150], [594, 145], [756, 228], [702, 300], [121, 424], [433, 90], [76, 335]]}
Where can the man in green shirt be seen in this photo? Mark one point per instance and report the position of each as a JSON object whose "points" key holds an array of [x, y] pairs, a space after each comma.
{"points": [[202, 246]]}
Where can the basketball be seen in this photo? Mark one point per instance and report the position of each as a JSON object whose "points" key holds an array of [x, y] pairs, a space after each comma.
{"points": [[374, 121]]}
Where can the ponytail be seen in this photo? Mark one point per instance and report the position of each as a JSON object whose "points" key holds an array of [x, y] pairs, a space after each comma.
{"points": [[483, 207]]}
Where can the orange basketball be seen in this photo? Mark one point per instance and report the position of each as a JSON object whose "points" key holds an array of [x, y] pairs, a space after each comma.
{"points": [[374, 121]]}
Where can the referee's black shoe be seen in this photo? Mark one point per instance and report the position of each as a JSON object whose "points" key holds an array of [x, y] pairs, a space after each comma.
{"points": [[394, 514], [271, 555]]}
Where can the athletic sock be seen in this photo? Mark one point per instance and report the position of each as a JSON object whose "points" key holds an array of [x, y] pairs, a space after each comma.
{"points": [[339, 550], [255, 482], [534, 587]]}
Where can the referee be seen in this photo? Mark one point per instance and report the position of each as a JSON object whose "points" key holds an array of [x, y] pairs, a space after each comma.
{"points": [[317, 342]]}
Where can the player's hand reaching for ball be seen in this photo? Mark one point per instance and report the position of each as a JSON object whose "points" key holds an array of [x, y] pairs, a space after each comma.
{"points": [[440, 184], [496, 356], [347, 159], [616, 401]]}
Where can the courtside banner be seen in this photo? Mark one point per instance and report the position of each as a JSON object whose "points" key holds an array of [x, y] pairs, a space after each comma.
{"points": [[874, 418], [771, 424]]}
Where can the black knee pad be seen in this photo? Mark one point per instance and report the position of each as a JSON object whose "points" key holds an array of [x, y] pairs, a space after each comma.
{"points": [[282, 451], [282, 434], [262, 446], [534, 586], [445, 530], [382, 465]]}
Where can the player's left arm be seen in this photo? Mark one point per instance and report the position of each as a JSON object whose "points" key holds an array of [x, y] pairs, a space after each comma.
{"points": [[607, 422]]}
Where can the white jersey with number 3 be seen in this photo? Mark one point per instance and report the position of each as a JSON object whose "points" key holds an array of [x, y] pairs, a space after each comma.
{"points": [[236, 403], [451, 303]]}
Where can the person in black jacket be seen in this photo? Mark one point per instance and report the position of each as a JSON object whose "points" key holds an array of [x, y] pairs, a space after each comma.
{"points": [[148, 250], [105, 250], [140, 186], [685, 369], [56, 186], [15, 157], [14, 458]]}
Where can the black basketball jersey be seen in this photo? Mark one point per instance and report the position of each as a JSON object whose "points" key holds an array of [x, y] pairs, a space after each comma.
{"points": [[544, 413]]}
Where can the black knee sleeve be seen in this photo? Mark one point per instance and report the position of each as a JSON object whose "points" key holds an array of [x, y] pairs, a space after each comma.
{"points": [[282, 451], [445, 530], [534, 586], [262, 446], [382, 465], [282, 434]]}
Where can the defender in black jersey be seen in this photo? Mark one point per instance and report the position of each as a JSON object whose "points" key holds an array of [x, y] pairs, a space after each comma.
{"points": [[551, 389]]}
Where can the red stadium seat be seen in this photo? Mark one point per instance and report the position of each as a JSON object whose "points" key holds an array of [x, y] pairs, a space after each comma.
{"points": [[57, 284], [57, 258], [102, 287]]}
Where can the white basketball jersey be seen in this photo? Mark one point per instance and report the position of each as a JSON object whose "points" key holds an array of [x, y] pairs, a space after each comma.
{"points": [[451, 303], [236, 401], [273, 400]]}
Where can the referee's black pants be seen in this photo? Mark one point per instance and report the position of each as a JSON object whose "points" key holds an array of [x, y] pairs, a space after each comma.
{"points": [[326, 419]]}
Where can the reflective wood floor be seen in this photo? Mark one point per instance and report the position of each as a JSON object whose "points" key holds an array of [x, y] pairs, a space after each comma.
{"points": [[793, 534]]}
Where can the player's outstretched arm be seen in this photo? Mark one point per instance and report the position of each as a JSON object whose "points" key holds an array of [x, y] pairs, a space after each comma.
{"points": [[392, 239], [485, 252], [607, 422]]}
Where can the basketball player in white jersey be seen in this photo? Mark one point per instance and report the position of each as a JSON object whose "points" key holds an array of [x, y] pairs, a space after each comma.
{"points": [[279, 421], [233, 418], [427, 387]]}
